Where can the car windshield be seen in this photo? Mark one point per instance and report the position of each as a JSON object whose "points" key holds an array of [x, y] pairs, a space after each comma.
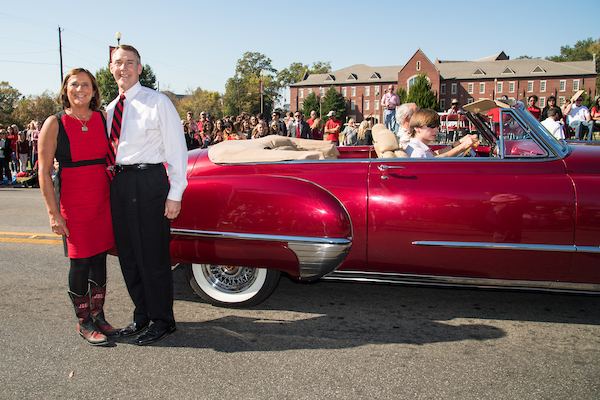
{"points": [[559, 147]]}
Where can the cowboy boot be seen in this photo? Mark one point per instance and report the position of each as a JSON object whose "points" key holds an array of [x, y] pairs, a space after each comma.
{"points": [[97, 296], [86, 327]]}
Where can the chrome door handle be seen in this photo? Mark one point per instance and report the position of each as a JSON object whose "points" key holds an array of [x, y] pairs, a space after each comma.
{"points": [[385, 167]]}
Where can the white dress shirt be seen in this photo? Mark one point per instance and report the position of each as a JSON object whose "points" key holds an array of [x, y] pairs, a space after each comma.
{"points": [[418, 149], [554, 128], [151, 133]]}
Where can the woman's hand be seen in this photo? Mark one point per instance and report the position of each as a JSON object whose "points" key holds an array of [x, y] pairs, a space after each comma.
{"points": [[58, 224]]}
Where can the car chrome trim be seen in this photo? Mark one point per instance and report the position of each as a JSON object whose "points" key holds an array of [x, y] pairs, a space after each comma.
{"points": [[507, 246], [317, 256], [433, 280]]}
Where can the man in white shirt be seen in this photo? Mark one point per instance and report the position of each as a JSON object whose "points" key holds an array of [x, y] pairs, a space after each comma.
{"points": [[143, 199], [579, 119], [552, 125]]}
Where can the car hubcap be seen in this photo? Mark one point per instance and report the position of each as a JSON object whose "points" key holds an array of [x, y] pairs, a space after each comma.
{"points": [[229, 279]]}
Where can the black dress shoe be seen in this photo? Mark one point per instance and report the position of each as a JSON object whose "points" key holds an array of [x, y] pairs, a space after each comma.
{"points": [[154, 335], [133, 329]]}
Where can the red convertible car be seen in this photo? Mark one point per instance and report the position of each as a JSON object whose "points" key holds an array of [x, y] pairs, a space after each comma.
{"points": [[522, 210]]}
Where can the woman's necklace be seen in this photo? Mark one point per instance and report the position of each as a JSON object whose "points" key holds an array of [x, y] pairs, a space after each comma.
{"points": [[84, 127]]}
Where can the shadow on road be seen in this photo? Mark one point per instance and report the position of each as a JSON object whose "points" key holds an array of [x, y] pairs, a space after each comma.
{"points": [[329, 315]]}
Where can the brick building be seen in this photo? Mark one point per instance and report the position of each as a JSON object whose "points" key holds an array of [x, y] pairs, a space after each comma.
{"points": [[467, 81]]}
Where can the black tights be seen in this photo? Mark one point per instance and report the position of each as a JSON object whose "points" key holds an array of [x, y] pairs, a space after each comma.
{"points": [[84, 269]]}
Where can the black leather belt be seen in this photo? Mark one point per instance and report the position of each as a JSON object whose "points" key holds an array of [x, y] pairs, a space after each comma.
{"points": [[135, 167]]}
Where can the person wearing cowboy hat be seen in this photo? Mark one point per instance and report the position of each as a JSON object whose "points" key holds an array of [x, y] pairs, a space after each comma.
{"points": [[455, 108]]}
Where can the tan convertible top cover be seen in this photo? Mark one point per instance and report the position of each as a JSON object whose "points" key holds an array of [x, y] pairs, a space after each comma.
{"points": [[271, 148]]}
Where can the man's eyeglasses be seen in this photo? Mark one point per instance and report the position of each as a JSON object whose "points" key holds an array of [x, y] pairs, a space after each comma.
{"points": [[432, 126]]}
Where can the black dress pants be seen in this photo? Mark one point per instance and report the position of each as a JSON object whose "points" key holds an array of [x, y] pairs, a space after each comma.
{"points": [[142, 236]]}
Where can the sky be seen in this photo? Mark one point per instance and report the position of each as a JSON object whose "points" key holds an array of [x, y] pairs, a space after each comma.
{"points": [[191, 44]]}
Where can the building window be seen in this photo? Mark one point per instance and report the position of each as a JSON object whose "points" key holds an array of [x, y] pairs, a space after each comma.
{"points": [[563, 86], [542, 102], [411, 82], [301, 91], [530, 86], [561, 101], [353, 105], [443, 104], [344, 93], [418, 65], [443, 88], [575, 85], [542, 86], [322, 92], [376, 90], [469, 100], [309, 91], [481, 87], [353, 89], [453, 88], [300, 105], [511, 87], [367, 90], [367, 105], [500, 87], [469, 88], [376, 105]]}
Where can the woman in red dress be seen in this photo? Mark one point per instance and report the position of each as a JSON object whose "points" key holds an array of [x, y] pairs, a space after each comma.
{"points": [[78, 200]]}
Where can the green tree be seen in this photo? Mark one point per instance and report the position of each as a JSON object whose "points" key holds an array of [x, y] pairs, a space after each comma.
{"points": [[421, 94], [310, 103], [108, 86], [242, 91], [38, 107], [9, 97], [336, 102], [583, 50], [296, 71], [200, 100], [402, 95]]}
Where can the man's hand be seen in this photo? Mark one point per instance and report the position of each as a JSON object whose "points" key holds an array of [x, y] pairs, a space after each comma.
{"points": [[172, 209]]}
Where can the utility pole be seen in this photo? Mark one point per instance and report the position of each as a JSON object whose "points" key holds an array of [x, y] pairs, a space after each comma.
{"points": [[60, 52]]}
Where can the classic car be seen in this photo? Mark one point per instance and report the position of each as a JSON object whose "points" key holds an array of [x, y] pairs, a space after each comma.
{"points": [[520, 211]]}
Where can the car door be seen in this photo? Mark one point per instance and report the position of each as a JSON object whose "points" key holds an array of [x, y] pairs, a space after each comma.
{"points": [[494, 218]]}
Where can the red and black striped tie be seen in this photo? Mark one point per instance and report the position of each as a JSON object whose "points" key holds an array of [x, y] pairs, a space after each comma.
{"points": [[115, 133]]}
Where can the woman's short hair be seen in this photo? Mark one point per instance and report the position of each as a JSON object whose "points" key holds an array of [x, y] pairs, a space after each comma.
{"points": [[96, 101], [551, 98], [423, 117], [534, 97]]}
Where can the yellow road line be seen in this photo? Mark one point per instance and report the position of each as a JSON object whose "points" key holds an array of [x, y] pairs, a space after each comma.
{"points": [[43, 241], [26, 234]]}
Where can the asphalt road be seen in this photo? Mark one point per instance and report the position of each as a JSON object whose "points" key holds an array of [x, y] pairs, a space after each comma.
{"points": [[307, 341]]}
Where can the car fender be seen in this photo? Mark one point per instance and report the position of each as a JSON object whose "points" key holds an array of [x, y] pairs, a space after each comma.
{"points": [[269, 221]]}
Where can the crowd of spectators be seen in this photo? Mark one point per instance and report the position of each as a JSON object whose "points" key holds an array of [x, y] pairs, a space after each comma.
{"points": [[207, 130], [18, 150]]}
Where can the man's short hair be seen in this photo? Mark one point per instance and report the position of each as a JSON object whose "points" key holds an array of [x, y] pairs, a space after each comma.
{"points": [[553, 111], [127, 47]]}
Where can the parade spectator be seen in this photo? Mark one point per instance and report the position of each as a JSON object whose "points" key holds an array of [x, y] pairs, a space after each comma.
{"points": [[201, 121], [274, 129], [364, 136], [289, 121], [316, 129], [332, 128], [349, 134], [245, 127], [313, 116], [218, 131], [550, 103], [389, 102], [424, 127], [23, 150], [190, 138], [190, 118], [300, 129], [13, 135], [533, 108], [579, 118], [35, 135], [455, 107], [205, 138], [595, 113], [260, 130], [5, 153], [277, 119], [77, 138], [253, 122], [553, 125]]}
